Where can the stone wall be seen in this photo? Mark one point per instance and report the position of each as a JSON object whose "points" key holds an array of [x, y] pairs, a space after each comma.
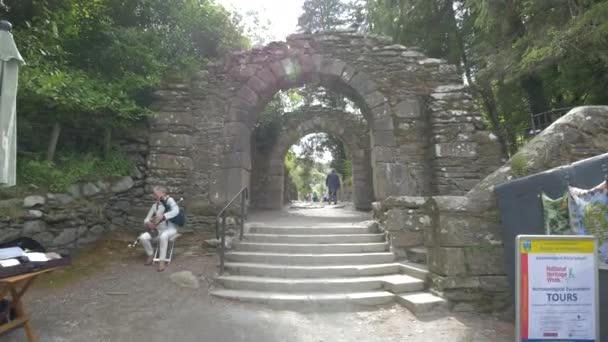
{"points": [[406, 220], [463, 235], [66, 221], [414, 106]]}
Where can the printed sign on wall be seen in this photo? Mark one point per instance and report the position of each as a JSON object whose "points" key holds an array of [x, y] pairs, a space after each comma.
{"points": [[557, 288]]}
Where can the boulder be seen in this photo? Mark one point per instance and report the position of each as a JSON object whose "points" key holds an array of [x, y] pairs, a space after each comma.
{"points": [[122, 185], [32, 201], [185, 279]]}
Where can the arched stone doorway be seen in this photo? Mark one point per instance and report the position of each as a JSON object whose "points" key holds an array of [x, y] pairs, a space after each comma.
{"points": [[267, 177], [426, 135]]}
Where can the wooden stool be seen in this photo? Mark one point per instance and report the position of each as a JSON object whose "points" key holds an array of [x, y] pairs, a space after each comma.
{"points": [[171, 246]]}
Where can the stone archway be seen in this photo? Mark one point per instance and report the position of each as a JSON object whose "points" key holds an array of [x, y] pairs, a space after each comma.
{"points": [[426, 135], [267, 179], [331, 73]]}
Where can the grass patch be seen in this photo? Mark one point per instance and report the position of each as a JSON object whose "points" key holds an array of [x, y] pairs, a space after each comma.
{"points": [[519, 165], [68, 169]]}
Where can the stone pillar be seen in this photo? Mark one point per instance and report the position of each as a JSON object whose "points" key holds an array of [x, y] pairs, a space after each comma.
{"points": [[466, 258], [407, 220], [362, 180]]}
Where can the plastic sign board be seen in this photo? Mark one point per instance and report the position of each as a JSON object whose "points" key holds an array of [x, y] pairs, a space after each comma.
{"points": [[557, 288]]}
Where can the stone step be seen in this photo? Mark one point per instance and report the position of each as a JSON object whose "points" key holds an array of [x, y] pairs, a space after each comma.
{"points": [[415, 270], [397, 283], [417, 255], [311, 248], [311, 259], [309, 230], [422, 303], [325, 271], [315, 299], [330, 238]]}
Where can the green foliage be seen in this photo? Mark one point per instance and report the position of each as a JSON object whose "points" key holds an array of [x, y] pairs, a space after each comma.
{"points": [[71, 168], [519, 165]]}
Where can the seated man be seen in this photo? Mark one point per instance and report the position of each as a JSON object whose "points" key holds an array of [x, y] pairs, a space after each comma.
{"points": [[160, 226]]}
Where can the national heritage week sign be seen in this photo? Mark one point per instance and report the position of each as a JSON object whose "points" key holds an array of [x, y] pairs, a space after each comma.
{"points": [[557, 288]]}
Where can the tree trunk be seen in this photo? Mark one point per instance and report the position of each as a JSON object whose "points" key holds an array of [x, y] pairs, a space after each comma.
{"points": [[50, 152], [107, 142]]}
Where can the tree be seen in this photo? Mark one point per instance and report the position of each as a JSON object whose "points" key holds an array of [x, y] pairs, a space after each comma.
{"points": [[323, 15], [92, 64]]}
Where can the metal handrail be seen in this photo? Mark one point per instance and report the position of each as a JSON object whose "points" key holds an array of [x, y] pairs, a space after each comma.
{"points": [[221, 234]]}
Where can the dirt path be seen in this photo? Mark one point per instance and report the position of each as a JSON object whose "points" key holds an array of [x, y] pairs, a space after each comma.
{"points": [[108, 295]]}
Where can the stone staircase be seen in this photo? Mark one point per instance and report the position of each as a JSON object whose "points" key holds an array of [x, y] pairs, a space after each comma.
{"points": [[323, 265]]}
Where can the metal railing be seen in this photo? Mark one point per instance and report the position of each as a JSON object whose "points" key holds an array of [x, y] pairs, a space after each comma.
{"points": [[540, 121], [220, 223]]}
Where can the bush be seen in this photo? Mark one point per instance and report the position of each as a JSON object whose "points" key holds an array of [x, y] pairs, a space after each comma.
{"points": [[70, 168]]}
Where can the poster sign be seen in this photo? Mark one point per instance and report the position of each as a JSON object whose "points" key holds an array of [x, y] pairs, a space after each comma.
{"points": [[557, 288]]}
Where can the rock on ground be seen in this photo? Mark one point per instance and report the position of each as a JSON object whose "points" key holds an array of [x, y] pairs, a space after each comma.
{"points": [[185, 279]]}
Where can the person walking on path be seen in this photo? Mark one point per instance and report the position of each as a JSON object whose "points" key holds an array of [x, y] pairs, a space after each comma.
{"points": [[333, 184]]}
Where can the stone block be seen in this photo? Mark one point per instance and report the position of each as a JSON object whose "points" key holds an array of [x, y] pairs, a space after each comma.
{"points": [[411, 202], [236, 129], [383, 124], [259, 86], [332, 68], [236, 159], [169, 162], [381, 154], [466, 230], [74, 190], [67, 236], [32, 201], [239, 114], [45, 238], [362, 84], [172, 119], [447, 261], [34, 214], [381, 111], [348, 74], [90, 189], [406, 219], [122, 185], [248, 96], [409, 108], [406, 238], [31, 228], [383, 138], [456, 149], [374, 99], [442, 283], [484, 260], [167, 139], [498, 283]]}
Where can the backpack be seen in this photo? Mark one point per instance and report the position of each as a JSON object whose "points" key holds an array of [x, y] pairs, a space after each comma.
{"points": [[180, 219]]}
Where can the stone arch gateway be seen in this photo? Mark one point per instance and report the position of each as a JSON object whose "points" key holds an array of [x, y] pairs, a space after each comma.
{"points": [[426, 135], [268, 170]]}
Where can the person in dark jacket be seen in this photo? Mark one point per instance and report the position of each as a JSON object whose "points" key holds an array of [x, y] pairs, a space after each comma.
{"points": [[333, 184]]}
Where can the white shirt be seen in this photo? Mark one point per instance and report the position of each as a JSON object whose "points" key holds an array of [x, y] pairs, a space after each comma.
{"points": [[158, 209]]}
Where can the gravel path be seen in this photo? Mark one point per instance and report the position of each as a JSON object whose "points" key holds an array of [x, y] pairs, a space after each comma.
{"points": [[123, 300]]}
